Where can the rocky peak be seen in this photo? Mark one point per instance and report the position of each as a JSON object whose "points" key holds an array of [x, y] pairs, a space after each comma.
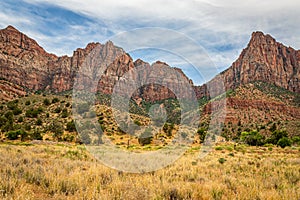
{"points": [[264, 59], [11, 38]]}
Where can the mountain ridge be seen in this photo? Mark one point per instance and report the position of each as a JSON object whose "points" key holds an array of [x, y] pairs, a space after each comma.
{"points": [[27, 64]]}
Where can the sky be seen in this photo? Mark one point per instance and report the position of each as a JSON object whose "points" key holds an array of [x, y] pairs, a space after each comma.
{"points": [[185, 33]]}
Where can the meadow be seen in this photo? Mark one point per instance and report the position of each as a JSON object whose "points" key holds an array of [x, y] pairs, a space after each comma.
{"points": [[52, 170]]}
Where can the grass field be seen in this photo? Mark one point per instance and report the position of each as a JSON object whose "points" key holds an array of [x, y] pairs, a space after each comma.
{"points": [[66, 171]]}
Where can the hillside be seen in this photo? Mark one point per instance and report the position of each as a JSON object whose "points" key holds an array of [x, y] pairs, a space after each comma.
{"points": [[262, 88]]}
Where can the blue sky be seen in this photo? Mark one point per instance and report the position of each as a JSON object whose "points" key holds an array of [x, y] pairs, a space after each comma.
{"points": [[221, 28]]}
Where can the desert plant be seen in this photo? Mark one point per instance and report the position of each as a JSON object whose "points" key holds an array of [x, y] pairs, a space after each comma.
{"points": [[27, 103], [17, 111], [20, 119], [252, 138], [39, 122], [55, 100], [36, 134], [146, 137], [57, 129], [283, 142], [64, 113], [46, 102], [71, 126]]}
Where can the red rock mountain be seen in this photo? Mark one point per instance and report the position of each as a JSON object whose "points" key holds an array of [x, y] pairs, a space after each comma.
{"points": [[265, 60], [24, 63]]}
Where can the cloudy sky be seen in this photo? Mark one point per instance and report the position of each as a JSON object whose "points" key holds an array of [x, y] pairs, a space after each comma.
{"points": [[220, 28]]}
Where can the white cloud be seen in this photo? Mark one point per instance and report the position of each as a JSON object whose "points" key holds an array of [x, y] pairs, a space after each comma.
{"points": [[223, 28]]}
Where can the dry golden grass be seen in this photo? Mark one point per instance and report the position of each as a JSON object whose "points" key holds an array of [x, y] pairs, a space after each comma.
{"points": [[68, 172]]}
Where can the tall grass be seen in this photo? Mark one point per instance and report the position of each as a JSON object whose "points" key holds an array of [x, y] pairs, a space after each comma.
{"points": [[69, 172]]}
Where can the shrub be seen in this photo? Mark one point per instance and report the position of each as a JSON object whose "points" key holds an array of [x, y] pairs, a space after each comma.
{"points": [[276, 136], [13, 135], [202, 134], [252, 138], [283, 142], [85, 138], [65, 113], [57, 129], [39, 122], [20, 119], [57, 109], [27, 127], [9, 116], [296, 140], [11, 105], [17, 111], [47, 115], [146, 137], [222, 160], [68, 104], [71, 126], [55, 100], [36, 135], [46, 102], [27, 103], [81, 108], [32, 113]]}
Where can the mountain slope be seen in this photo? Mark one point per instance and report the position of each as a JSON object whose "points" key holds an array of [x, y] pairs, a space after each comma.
{"points": [[264, 59]]}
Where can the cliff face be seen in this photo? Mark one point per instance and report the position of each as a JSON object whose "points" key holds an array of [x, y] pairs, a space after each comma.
{"points": [[265, 60], [25, 63]]}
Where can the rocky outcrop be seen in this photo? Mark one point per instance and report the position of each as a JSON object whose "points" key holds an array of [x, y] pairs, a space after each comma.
{"points": [[265, 60], [25, 63]]}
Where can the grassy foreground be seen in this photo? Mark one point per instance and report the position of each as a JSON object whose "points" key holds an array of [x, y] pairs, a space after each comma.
{"points": [[62, 171]]}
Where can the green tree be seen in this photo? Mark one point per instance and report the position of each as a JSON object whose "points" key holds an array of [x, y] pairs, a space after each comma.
{"points": [[71, 126], [57, 129], [283, 142], [253, 138]]}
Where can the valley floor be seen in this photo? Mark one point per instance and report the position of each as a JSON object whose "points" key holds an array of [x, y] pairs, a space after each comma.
{"points": [[63, 171]]}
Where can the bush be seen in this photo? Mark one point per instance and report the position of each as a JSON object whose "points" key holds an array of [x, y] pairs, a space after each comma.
{"points": [[13, 135], [146, 137], [46, 102], [55, 100], [276, 136], [36, 135], [32, 113], [27, 103], [252, 138], [9, 116], [283, 142], [12, 105], [57, 129], [85, 138], [57, 109], [68, 104], [71, 126], [39, 122], [202, 134], [27, 127], [296, 140], [20, 119], [17, 111], [65, 113], [82, 108], [222, 160]]}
